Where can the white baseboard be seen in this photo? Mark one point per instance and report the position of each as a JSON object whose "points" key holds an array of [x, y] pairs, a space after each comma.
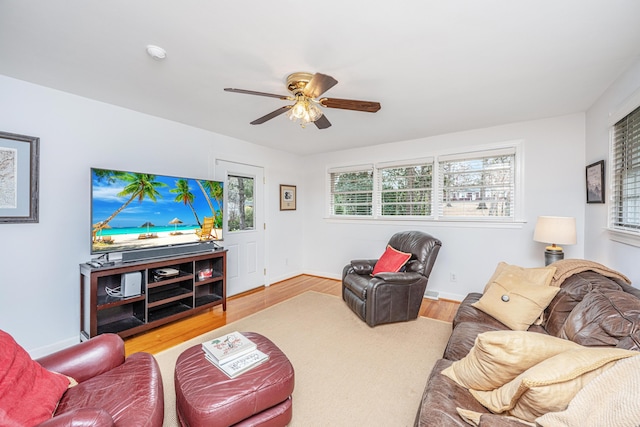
{"points": [[52, 348], [448, 295], [432, 295]]}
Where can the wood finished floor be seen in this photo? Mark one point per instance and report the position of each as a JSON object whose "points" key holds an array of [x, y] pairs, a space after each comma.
{"points": [[240, 306]]}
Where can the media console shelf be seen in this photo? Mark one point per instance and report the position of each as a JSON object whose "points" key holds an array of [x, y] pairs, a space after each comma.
{"points": [[194, 283]]}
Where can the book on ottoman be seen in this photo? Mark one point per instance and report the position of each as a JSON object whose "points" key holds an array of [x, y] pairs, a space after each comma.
{"points": [[241, 363], [228, 347], [233, 353]]}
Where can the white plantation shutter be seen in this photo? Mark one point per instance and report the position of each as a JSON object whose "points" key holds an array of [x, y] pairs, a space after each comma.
{"points": [[624, 211]]}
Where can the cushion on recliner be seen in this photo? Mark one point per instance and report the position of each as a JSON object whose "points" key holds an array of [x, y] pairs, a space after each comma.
{"points": [[28, 392], [391, 261]]}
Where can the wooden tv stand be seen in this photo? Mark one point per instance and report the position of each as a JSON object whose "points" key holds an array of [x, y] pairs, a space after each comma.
{"points": [[199, 285]]}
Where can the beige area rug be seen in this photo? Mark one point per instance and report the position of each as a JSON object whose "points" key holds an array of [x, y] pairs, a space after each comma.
{"points": [[347, 374]]}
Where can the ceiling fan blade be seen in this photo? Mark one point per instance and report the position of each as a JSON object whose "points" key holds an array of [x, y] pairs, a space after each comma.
{"points": [[322, 122], [271, 115], [351, 104], [319, 84], [253, 92]]}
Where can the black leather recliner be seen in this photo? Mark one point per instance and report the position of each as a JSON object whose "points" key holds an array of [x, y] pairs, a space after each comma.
{"points": [[391, 297]]}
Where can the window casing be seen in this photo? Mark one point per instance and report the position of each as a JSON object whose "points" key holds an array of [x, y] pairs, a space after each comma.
{"points": [[624, 213]]}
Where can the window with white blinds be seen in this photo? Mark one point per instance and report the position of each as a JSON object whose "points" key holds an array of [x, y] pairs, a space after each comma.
{"points": [[478, 185], [625, 172], [405, 190], [474, 186], [351, 191]]}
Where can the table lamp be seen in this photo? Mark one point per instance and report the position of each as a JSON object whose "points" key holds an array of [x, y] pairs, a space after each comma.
{"points": [[555, 230]]}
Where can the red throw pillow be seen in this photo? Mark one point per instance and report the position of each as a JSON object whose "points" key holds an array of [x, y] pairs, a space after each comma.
{"points": [[391, 261], [29, 394]]}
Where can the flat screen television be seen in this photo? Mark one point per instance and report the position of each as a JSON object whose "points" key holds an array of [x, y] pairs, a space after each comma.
{"points": [[133, 211]]}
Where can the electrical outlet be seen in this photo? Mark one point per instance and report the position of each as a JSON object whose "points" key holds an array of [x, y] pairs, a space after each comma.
{"points": [[453, 277]]}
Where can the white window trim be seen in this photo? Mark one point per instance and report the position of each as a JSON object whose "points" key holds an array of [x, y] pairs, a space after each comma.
{"points": [[626, 237], [615, 234], [518, 218]]}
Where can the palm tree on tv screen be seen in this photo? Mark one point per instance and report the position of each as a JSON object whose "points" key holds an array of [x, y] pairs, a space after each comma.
{"points": [[213, 189], [139, 186], [184, 195]]}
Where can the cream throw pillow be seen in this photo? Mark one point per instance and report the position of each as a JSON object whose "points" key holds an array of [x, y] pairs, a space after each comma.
{"points": [[550, 385], [498, 357], [538, 276], [515, 301]]}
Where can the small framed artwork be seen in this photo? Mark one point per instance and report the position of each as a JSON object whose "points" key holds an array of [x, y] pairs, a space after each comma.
{"points": [[19, 163], [595, 182], [287, 197]]}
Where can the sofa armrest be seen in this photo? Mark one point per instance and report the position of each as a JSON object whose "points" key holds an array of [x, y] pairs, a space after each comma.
{"points": [[400, 278], [363, 266], [87, 359], [84, 417]]}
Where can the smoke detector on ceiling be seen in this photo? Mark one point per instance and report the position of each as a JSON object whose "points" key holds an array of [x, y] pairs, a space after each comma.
{"points": [[156, 52]]}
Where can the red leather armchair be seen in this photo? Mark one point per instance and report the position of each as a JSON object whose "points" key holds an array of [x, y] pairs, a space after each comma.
{"points": [[112, 390]]}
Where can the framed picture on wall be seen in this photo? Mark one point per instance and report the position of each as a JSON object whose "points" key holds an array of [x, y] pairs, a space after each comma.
{"points": [[595, 182], [19, 163], [287, 197]]}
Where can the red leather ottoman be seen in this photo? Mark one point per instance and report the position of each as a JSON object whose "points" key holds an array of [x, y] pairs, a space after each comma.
{"points": [[205, 396]]}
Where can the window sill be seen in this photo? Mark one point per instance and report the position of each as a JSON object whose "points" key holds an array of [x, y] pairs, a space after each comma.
{"points": [[517, 224], [626, 237]]}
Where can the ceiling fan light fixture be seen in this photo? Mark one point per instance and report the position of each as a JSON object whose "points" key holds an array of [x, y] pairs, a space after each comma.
{"points": [[304, 110], [306, 89]]}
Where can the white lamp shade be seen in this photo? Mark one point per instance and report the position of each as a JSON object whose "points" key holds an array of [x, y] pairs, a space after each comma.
{"points": [[559, 230]]}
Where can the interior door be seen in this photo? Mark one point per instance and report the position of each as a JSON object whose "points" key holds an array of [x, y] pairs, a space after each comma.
{"points": [[244, 234]]}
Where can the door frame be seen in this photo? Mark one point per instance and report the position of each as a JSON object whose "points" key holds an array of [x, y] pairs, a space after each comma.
{"points": [[223, 176]]}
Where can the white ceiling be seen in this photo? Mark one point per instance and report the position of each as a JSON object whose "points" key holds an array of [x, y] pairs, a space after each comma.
{"points": [[436, 66]]}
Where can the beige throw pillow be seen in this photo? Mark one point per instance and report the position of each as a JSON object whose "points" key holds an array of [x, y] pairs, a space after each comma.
{"points": [[515, 301], [538, 276], [498, 357], [550, 385]]}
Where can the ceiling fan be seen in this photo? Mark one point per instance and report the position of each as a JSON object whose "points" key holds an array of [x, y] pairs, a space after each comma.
{"points": [[305, 89]]}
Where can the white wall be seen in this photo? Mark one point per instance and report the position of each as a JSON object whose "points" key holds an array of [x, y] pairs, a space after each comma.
{"points": [[553, 185], [39, 277], [598, 246], [39, 273]]}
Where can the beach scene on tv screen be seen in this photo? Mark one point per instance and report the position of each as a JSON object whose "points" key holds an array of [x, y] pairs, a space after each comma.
{"points": [[132, 210]]}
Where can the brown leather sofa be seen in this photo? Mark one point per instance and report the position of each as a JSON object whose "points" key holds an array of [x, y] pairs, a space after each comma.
{"points": [[112, 390], [391, 297], [608, 315]]}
